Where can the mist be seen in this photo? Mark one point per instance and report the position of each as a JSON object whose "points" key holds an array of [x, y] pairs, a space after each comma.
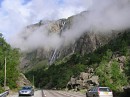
{"points": [[100, 16]]}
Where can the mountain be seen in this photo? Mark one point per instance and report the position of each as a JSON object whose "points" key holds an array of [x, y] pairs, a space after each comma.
{"points": [[106, 53], [86, 42]]}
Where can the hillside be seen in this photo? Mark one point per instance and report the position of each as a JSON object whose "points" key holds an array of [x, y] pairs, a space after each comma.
{"points": [[59, 31], [53, 65], [110, 62], [61, 51], [11, 57]]}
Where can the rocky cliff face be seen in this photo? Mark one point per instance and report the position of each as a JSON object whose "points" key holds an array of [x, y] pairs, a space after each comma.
{"points": [[86, 43]]}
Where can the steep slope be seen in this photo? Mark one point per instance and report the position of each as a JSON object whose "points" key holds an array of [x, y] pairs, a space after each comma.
{"points": [[66, 59], [85, 42], [9, 57], [109, 62]]}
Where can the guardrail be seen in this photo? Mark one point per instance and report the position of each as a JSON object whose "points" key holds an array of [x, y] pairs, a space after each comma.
{"points": [[4, 94]]}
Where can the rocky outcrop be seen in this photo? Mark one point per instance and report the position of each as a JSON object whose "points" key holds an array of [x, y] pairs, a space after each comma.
{"points": [[122, 61], [86, 43], [84, 80], [22, 81]]}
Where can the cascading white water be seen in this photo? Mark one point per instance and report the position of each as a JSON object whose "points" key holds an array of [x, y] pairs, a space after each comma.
{"points": [[53, 57]]}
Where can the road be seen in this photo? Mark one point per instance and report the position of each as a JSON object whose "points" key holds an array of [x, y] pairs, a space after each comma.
{"points": [[52, 93], [37, 94]]}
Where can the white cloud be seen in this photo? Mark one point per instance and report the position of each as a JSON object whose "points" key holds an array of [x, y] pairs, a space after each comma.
{"points": [[13, 16], [102, 16], [16, 14]]}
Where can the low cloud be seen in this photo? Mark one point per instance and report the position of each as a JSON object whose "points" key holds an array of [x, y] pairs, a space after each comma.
{"points": [[100, 16], [17, 14]]}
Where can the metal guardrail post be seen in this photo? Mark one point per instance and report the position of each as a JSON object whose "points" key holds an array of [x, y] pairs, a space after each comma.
{"points": [[4, 94]]}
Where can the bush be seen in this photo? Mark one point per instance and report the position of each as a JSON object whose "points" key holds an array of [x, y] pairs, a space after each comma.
{"points": [[111, 75], [12, 60]]}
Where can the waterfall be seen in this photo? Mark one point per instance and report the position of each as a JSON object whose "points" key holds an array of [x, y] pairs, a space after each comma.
{"points": [[55, 53], [63, 23], [53, 57], [62, 26]]}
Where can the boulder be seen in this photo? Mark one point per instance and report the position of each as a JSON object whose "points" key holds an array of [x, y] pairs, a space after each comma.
{"points": [[84, 75], [84, 80], [94, 80]]}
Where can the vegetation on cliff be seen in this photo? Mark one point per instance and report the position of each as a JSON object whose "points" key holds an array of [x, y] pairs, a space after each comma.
{"points": [[103, 60], [12, 61]]}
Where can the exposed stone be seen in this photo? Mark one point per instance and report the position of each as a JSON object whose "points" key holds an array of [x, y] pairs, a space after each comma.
{"points": [[79, 82], [84, 75], [87, 43], [121, 66], [22, 81], [94, 80], [85, 80], [122, 59], [73, 80]]}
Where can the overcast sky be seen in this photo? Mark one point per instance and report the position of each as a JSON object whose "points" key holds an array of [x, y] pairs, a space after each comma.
{"points": [[16, 14]]}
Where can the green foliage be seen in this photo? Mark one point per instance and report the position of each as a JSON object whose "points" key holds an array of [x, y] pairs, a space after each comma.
{"points": [[107, 56], [119, 44], [103, 71], [111, 75], [102, 60], [12, 61], [127, 69], [1, 89], [57, 75], [118, 78]]}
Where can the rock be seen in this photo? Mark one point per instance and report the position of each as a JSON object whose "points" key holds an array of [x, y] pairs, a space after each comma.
{"points": [[73, 81], [84, 75], [79, 82], [121, 66], [84, 80], [94, 80], [22, 81], [122, 59], [85, 43]]}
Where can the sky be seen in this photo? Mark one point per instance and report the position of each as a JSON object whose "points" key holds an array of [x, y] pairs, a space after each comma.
{"points": [[101, 16], [16, 14]]}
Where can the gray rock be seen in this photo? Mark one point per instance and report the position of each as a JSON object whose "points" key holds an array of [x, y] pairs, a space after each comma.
{"points": [[85, 80], [22, 81], [88, 42]]}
